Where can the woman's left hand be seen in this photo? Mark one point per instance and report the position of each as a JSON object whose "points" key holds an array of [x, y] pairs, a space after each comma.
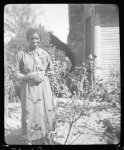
{"points": [[37, 78]]}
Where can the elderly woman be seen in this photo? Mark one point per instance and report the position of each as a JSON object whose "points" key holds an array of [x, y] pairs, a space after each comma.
{"points": [[32, 69]]}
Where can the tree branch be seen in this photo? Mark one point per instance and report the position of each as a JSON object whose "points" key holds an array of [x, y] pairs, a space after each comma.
{"points": [[70, 127]]}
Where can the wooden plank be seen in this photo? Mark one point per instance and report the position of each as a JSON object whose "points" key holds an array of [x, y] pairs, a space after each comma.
{"points": [[109, 44]]}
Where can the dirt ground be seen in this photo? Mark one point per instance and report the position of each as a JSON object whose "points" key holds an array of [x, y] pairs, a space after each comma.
{"points": [[86, 130]]}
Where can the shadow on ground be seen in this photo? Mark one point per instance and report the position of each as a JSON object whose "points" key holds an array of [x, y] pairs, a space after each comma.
{"points": [[13, 137]]}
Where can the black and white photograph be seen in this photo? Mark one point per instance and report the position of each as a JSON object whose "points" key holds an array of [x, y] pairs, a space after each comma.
{"points": [[62, 74]]}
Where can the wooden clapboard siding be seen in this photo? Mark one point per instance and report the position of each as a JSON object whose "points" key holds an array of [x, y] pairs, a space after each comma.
{"points": [[109, 42]]}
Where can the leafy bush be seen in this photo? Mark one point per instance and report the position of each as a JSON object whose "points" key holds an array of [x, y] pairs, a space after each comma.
{"points": [[86, 90], [80, 85], [61, 67]]}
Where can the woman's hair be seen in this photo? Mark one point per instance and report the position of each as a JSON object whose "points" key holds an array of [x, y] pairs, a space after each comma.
{"points": [[32, 31]]}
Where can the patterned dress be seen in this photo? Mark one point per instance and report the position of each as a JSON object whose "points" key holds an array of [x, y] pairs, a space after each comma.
{"points": [[36, 99]]}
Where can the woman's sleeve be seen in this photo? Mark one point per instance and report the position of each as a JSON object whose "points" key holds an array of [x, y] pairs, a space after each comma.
{"points": [[16, 72]]}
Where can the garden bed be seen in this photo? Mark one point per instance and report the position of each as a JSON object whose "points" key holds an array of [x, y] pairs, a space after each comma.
{"points": [[87, 129]]}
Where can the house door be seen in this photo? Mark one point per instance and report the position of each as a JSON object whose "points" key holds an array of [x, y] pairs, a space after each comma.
{"points": [[88, 37]]}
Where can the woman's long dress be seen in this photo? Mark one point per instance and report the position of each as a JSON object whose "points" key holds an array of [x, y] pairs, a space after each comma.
{"points": [[36, 99]]}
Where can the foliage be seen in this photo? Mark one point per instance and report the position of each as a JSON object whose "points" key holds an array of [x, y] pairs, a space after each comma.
{"points": [[88, 87], [18, 17], [80, 85], [64, 48], [61, 67], [89, 95]]}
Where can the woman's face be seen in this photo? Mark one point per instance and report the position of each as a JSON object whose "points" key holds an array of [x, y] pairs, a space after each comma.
{"points": [[34, 40]]}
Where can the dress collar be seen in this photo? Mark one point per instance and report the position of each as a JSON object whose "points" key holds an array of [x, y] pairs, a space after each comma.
{"points": [[29, 51]]}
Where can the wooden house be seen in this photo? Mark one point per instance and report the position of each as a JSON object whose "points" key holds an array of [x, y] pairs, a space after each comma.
{"points": [[94, 29]]}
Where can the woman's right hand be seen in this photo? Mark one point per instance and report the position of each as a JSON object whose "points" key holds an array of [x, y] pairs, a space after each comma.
{"points": [[37, 79]]}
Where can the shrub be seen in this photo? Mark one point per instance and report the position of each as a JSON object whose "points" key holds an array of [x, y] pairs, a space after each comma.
{"points": [[61, 67]]}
